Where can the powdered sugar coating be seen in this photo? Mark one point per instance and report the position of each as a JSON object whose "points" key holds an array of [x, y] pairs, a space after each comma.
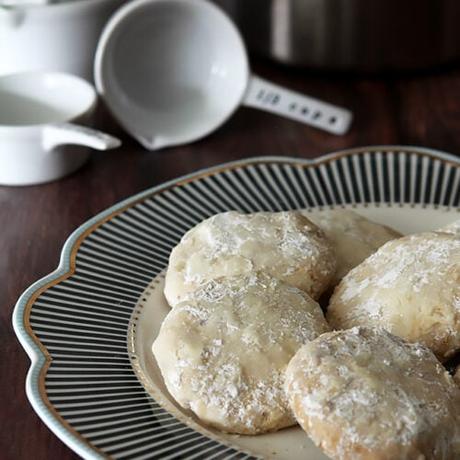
{"points": [[353, 237], [224, 349], [364, 393], [285, 245], [411, 287]]}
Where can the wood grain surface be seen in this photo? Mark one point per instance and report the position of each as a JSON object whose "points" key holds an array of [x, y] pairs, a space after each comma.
{"points": [[418, 109]]}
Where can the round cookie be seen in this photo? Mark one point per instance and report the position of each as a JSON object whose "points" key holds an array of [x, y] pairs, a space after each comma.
{"points": [[285, 245], [366, 394], [453, 228], [224, 349], [411, 287], [353, 237]]}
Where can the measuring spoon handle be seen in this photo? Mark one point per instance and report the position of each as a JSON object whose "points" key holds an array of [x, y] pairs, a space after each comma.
{"points": [[265, 95]]}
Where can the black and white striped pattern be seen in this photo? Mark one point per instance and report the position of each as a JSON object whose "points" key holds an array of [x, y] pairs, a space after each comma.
{"points": [[83, 320]]}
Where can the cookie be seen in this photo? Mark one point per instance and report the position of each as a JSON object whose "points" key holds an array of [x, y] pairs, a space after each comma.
{"points": [[411, 287], [364, 393], [224, 349], [353, 237], [285, 245]]}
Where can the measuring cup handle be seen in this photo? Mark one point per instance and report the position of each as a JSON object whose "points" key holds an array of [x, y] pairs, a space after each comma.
{"points": [[55, 135], [265, 95]]}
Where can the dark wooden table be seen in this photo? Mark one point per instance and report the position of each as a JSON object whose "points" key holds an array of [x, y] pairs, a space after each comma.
{"points": [[421, 109]]}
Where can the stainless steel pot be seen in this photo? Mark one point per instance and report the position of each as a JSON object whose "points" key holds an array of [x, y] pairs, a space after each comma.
{"points": [[369, 35]]}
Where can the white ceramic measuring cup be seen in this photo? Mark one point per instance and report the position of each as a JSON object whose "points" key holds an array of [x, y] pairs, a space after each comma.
{"points": [[38, 137], [172, 71]]}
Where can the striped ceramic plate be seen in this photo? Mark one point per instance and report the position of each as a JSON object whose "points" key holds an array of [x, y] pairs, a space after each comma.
{"points": [[88, 326]]}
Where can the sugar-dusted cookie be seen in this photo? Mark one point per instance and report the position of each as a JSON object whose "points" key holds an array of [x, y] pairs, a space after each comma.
{"points": [[285, 245], [411, 287], [364, 393], [223, 350], [353, 237]]}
